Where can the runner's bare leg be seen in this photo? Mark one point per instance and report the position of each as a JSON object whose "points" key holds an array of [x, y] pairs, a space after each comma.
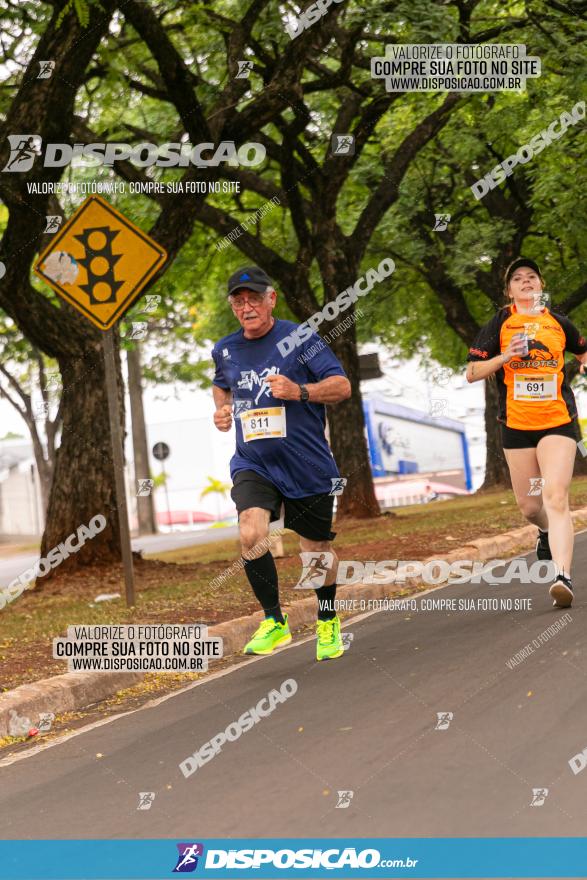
{"points": [[254, 528], [322, 547], [556, 457], [524, 466]]}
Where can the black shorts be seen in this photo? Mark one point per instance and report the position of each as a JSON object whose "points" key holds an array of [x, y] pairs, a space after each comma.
{"points": [[310, 517], [512, 438]]}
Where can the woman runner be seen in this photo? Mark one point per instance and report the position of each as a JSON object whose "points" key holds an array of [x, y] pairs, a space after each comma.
{"points": [[524, 345]]}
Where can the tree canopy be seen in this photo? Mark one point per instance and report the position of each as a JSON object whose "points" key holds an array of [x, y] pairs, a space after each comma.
{"points": [[159, 72]]}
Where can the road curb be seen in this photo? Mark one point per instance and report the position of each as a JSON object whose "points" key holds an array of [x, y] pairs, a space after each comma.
{"points": [[71, 691]]}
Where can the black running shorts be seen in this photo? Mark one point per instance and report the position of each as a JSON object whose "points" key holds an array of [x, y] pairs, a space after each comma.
{"points": [[310, 517], [512, 438]]}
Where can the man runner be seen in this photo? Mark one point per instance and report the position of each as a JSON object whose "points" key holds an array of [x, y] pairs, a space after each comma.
{"points": [[282, 456]]}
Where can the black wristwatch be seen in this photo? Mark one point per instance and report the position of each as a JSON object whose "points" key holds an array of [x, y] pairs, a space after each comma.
{"points": [[304, 394]]}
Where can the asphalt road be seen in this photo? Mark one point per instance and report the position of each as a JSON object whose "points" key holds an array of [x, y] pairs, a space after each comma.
{"points": [[365, 723]]}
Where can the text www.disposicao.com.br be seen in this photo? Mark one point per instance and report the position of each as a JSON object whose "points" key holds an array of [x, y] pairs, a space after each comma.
{"points": [[136, 664]]}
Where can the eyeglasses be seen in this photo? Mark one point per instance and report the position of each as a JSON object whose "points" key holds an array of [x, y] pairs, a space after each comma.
{"points": [[252, 299]]}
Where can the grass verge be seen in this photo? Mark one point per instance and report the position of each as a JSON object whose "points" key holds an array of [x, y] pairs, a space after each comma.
{"points": [[175, 586]]}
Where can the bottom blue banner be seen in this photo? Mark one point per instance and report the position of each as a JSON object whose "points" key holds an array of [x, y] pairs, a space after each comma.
{"points": [[294, 857]]}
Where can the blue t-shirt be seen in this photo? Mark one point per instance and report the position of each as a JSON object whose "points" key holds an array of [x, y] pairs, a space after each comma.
{"points": [[300, 463]]}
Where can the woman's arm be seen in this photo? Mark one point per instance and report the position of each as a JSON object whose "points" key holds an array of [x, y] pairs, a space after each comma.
{"points": [[477, 370]]}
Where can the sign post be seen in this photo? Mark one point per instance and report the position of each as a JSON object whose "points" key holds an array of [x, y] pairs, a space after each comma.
{"points": [[118, 462], [99, 262], [161, 452]]}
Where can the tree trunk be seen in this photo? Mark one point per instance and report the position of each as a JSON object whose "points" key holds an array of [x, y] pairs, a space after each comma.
{"points": [[496, 469], [44, 463], [44, 473], [145, 503], [348, 441], [83, 484]]}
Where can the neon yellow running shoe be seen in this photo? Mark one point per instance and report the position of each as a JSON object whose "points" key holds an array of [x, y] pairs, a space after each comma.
{"points": [[269, 636], [329, 644]]}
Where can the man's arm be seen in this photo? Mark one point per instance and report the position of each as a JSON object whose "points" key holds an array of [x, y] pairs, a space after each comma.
{"points": [[223, 403], [330, 390], [222, 396], [334, 389]]}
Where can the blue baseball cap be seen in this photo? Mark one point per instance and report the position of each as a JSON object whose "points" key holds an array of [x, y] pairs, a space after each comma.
{"points": [[251, 277]]}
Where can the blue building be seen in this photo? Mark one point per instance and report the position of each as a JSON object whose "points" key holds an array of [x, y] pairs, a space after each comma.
{"points": [[404, 441]]}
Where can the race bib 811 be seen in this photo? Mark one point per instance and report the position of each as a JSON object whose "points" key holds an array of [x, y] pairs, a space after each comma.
{"points": [[263, 424]]}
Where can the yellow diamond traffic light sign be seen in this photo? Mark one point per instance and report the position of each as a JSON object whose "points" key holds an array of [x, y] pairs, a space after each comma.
{"points": [[99, 262]]}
